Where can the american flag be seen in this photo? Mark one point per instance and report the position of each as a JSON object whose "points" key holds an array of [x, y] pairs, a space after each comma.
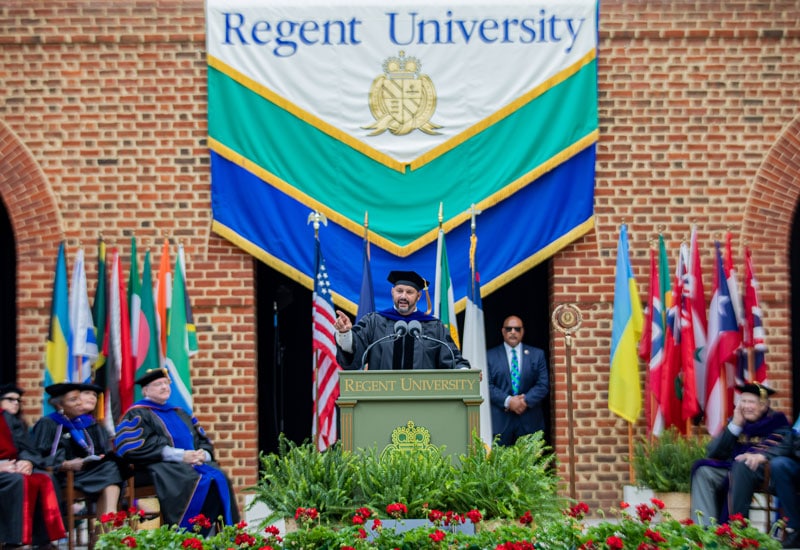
{"points": [[326, 369]]}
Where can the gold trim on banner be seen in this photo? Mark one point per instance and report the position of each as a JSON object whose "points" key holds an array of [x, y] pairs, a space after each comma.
{"points": [[532, 261], [278, 265], [427, 237], [497, 116], [373, 153]]}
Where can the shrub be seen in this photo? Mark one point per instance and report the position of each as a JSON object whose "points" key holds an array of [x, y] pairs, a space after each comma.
{"points": [[664, 464]]}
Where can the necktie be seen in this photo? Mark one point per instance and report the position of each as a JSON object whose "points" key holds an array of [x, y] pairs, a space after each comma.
{"points": [[514, 372]]}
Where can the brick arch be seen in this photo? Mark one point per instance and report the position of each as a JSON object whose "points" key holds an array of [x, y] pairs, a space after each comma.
{"points": [[767, 230], [36, 221]]}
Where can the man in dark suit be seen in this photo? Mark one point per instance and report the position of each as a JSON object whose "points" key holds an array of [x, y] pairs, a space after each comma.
{"points": [[518, 384]]}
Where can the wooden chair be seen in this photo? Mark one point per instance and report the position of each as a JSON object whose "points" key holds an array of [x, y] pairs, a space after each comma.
{"points": [[140, 486], [764, 500], [73, 496]]}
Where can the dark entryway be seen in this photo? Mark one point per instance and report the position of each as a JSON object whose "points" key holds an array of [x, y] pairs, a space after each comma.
{"points": [[8, 299], [284, 378]]}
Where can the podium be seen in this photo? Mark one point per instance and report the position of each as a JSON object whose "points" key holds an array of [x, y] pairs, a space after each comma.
{"points": [[404, 409]]}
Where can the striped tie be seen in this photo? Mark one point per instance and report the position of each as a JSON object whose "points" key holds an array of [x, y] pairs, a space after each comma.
{"points": [[514, 372]]}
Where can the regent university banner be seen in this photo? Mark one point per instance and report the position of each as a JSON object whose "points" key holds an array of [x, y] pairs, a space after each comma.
{"points": [[392, 108]]}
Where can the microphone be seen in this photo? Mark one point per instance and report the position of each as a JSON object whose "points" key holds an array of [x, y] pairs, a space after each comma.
{"points": [[400, 329], [415, 329]]}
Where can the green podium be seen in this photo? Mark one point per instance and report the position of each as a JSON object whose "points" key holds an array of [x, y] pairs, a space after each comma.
{"points": [[409, 408]]}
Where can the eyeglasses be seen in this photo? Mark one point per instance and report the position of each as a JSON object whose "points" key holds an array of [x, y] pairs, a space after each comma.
{"points": [[14, 399], [512, 329]]}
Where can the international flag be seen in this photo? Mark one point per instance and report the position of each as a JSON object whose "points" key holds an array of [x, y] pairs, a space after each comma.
{"points": [[145, 344], [723, 340], [752, 356], [99, 315], [624, 389], [177, 360], [366, 298], [84, 340], [652, 351], [163, 296], [191, 329], [730, 275], [444, 303], [690, 406], [697, 299], [134, 301], [474, 349], [121, 370], [326, 370], [671, 392], [59, 339]]}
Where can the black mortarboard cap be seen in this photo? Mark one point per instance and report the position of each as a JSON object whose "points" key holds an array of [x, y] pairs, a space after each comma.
{"points": [[755, 388], [5, 389], [151, 375], [410, 278], [91, 387], [57, 390]]}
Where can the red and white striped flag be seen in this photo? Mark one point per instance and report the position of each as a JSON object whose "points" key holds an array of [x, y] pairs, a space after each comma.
{"points": [[723, 340], [753, 363], [326, 369], [697, 297]]}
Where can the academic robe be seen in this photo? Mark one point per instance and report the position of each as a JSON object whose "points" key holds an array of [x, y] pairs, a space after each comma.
{"points": [[183, 490], [29, 505], [55, 442], [402, 353]]}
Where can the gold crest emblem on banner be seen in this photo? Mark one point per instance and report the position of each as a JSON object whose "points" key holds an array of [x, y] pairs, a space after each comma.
{"points": [[401, 99]]}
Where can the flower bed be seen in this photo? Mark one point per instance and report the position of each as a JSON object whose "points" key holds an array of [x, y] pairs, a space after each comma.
{"points": [[366, 529]]}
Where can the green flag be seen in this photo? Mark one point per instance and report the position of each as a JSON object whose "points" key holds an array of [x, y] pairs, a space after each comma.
{"points": [[178, 345], [146, 345]]}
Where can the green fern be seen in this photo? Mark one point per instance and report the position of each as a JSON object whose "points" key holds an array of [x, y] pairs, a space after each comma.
{"points": [[664, 464]]}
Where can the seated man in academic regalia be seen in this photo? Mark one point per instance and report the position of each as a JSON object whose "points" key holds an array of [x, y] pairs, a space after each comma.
{"points": [[376, 342], [168, 443]]}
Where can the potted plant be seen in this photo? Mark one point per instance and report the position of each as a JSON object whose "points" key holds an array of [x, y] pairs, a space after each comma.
{"points": [[664, 464]]}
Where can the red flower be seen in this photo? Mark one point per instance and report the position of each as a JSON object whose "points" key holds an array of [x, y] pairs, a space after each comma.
{"points": [[451, 518], [272, 530], [376, 524], [192, 543], [724, 530], [396, 510], [738, 519], [364, 512], [108, 518], [244, 538], [614, 543], [526, 518], [348, 548], [120, 518], [437, 536], [578, 510], [129, 541], [658, 503], [361, 533], [358, 520], [588, 545], [201, 521], [266, 548], [474, 516], [623, 505], [241, 525], [655, 536], [647, 546], [645, 512], [687, 521], [435, 516]]}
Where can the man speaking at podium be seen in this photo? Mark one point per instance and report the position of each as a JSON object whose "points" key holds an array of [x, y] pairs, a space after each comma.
{"points": [[400, 338]]}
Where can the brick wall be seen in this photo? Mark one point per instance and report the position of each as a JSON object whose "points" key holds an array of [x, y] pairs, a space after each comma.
{"points": [[103, 130]]}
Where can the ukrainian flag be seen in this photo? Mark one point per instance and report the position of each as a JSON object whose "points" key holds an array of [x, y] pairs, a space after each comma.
{"points": [[59, 353], [624, 388]]}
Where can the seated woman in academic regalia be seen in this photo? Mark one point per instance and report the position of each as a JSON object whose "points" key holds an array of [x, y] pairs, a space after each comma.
{"points": [[70, 439], [29, 506]]}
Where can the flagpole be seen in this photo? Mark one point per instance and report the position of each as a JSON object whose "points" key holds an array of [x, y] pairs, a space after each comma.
{"points": [[566, 319], [315, 218]]}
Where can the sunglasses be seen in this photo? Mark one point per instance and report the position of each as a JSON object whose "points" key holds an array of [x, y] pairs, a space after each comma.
{"points": [[511, 329], [14, 399]]}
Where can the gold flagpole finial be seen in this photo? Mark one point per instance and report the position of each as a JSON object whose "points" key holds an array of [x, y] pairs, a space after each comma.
{"points": [[473, 214]]}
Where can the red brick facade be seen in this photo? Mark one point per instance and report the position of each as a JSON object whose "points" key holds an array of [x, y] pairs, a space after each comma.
{"points": [[103, 131]]}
